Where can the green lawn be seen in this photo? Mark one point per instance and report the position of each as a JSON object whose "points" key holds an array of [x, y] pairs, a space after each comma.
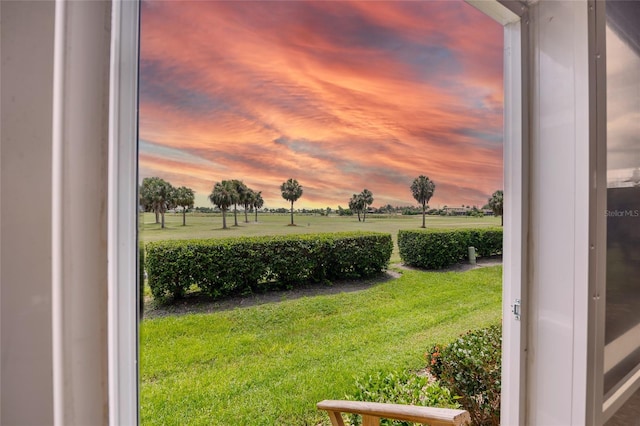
{"points": [[210, 225], [270, 364]]}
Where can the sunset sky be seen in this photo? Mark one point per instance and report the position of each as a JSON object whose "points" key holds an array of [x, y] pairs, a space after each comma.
{"points": [[339, 95]]}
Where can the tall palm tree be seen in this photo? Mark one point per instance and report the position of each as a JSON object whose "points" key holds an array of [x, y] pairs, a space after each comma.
{"points": [[257, 202], [241, 190], [223, 196], [422, 189], [246, 199], [291, 191], [367, 200], [496, 204], [165, 199], [185, 198]]}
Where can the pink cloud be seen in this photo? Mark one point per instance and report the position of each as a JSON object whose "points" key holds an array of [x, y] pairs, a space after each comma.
{"points": [[264, 91]]}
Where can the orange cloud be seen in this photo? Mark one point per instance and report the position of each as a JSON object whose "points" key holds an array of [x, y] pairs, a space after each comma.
{"points": [[339, 95]]}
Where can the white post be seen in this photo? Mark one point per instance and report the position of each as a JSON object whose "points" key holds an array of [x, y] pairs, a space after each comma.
{"points": [[123, 216], [472, 255]]}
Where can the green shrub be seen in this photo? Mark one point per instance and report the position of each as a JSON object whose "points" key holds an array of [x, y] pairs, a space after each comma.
{"points": [[140, 280], [358, 257], [434, 360], [470, 367], [220, 267], [487, 241], [401, 388], [439, 248], [167, 271], [293, 260]]}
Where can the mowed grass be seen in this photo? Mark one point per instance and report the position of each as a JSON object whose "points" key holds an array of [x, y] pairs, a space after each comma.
{"points": [[270, 364], [210, 225]]}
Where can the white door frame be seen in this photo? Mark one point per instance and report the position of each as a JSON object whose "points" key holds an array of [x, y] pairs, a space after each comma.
{"points": [[123, 215], [554, 263], [123, 249], [514, 17]]}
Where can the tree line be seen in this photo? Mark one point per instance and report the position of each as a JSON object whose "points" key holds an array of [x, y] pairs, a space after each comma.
{"points": [[422, 190], [158, 195], [229, 193]]}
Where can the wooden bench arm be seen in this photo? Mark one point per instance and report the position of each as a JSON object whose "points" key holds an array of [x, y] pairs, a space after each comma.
{"points": [[372, 412]]}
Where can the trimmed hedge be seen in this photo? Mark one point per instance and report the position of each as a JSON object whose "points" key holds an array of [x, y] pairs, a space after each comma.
{"points": [[439, 248], [140, 280], [220, 267]]}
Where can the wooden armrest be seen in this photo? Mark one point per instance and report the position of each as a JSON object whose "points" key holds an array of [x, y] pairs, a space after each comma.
{"points": [[372, 412]]}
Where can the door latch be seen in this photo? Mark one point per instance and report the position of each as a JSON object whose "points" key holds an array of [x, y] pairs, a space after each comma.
{"points": [[515, 308]]}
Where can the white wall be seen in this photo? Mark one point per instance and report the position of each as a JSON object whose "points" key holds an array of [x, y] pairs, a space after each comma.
{"points": [[53, 211], [26, 51]]}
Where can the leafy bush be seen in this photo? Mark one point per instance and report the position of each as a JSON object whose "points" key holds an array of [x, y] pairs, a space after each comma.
{"points": [[434, 360], [221, 267], [439, 248], [401, 388], [140, 280], [487, 241], [470, 367]]}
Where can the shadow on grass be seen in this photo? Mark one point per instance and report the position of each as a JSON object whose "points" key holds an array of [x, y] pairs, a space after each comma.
{"points": [[481, 262], [197, 302]]}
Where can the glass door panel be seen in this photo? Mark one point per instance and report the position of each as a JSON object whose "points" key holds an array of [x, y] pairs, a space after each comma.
{"points": [[622, 330]]}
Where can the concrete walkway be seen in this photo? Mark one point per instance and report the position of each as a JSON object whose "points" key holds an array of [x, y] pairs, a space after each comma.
{"points": [[458, 267]]}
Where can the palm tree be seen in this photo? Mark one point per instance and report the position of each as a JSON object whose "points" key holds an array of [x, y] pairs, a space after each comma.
{"points": [[367, 200], [185, 198], [241, 190], [496, 204], [157, 194], [145, 199], [291, 191], [148, 195], [356, 203], [246, 199], [223, 196], [164, 199], [257, 202], [422, 189]]}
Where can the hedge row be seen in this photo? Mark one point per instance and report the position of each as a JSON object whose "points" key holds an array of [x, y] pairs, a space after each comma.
{"points": [[140, 280], [439, 248], [220, 267]]}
